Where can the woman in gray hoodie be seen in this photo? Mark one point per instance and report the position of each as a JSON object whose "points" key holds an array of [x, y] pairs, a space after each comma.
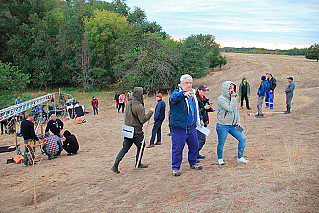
{"points": [[228, 121]]}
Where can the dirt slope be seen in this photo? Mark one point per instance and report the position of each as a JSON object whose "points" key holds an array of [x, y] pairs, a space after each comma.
{"points": [[282, 175]]}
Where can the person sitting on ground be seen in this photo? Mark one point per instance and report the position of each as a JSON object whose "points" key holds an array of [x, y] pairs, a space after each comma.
{"points": [[51, 147], [70, 143], [55, 125]]}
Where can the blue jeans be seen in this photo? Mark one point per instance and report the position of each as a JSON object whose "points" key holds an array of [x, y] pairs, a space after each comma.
{"points": [[127, 143], [179, 138], [201, 140], [157, 130], [269, 99], [222, 132]]}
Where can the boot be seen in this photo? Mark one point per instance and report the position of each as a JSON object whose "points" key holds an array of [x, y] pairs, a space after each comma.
{"points": [[288, 110], [115, 169]]}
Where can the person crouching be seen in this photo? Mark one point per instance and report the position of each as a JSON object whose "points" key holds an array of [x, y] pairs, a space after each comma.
{"points": [[70, 143], [51, 146]]}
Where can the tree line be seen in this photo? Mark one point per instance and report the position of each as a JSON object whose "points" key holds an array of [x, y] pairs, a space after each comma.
{"points": [[92, 43]]}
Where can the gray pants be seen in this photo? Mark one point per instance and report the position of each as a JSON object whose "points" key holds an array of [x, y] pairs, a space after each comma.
{"points": [[289, 98], [260, 104]]}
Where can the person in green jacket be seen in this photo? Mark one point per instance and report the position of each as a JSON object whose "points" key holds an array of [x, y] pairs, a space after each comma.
{"points": [[244, 93]]}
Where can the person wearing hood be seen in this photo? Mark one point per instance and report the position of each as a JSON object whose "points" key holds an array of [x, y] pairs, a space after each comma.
{"points": [[270, 91], [135, 117], [228, 121], [70, 143], [184, 117], [244, 93], [261, 95]]}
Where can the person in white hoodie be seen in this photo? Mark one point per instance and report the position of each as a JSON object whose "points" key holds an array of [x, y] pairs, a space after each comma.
{"points": [[228, 121]]}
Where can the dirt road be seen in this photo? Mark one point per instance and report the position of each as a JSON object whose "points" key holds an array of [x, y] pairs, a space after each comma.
{"points": [[283, 150]]}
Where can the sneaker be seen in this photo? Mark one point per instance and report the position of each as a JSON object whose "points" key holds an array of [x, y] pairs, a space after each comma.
{"points": [[242, 160], [150, 146], [266, 106], [249, 108], [200, 157], [70, 154], [271, 108], [196, 167], [221, 162], [197, 161], [141, 166], [158, 143], [49, 157], [115, 169], [169, 134], [259, 116], [176, 173]]}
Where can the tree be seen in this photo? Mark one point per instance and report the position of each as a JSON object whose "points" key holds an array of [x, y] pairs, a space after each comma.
{"points": [[313, 52], [11, 78]]}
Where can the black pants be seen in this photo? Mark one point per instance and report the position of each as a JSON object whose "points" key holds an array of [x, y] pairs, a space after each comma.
{"points": [[242, 101], [96, 111], [69, 150], [3, 124], [121, 105], [127, 143]]}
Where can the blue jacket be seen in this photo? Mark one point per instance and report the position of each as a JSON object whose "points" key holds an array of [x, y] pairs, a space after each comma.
{"points": [[262, 88], [160, 111], [178, 115]]}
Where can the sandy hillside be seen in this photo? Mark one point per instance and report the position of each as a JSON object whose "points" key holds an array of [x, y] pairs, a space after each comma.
{"points": [[283, 150]]}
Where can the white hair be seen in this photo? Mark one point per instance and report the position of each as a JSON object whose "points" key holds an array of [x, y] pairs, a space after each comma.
{"points": [[186, 76]]}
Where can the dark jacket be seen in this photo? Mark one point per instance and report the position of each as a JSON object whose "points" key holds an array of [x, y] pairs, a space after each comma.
{"points": [[178, 115], [262, 88], [202, 102], [136, 117], [116, 97], [272, 83], [71, 142], [160, 110], [54, 126], [27, 130], [240, 91]]}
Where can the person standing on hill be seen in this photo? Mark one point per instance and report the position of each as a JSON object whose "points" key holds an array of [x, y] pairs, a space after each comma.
{"points": [[129, 96], [95, 105], [205, 107], [116, 98], [159, 117], [184, 117], [270, 92], [135, 117], [121, 103], [228, 121], [261, 95], [289, 93], [244, 93]]}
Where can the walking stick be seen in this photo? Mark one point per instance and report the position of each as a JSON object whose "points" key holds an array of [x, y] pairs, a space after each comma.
{"points": [[143, 143]]}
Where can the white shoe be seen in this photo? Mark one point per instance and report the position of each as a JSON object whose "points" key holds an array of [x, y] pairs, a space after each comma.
{"points": [[241, 160], [221, 162]]}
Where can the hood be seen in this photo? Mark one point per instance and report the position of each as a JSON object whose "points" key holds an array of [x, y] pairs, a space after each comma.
{"points": [[138, 94], [66, 133], [225, 88], [244, 78]]}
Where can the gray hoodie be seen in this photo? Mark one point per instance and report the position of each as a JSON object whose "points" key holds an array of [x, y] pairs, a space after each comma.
{"points": [[228, 112]]}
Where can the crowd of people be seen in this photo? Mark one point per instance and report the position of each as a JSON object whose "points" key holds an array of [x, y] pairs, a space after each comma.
{"points": [[189, 115]]}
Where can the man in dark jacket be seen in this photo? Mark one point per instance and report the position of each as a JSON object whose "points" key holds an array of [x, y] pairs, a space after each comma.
{"points": [[270, 91], [159, 117], [70, 143], [116, 98], [289, 93], [135, 117], [261, 95], [27, 131], [244, 93], [205, 107], [55, 125], [184, 117]]}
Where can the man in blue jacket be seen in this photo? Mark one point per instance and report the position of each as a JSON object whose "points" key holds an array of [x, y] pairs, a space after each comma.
{"points": [[261, 95], [184, 117], [159, 117]]}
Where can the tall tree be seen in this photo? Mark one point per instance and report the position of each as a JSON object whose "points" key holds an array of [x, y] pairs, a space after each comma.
{"points": [[313, 52]]}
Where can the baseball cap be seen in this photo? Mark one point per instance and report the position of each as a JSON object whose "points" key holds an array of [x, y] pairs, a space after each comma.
{"points": [[291, 78], [159, 95], [203, 87]]}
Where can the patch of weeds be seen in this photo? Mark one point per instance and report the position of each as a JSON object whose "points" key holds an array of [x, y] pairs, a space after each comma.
{"points": [[92, 184], [304, 113], [232, 149], [298, 123], [295, 118], [248, 62]]}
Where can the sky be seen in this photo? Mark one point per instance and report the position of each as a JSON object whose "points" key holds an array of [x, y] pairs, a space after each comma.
{"points": [[272, 24]]}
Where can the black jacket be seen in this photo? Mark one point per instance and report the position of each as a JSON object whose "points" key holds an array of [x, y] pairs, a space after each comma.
{"points": [[272, 83], [72, 143], [54, 126], [202, 102], [27, 130]]}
